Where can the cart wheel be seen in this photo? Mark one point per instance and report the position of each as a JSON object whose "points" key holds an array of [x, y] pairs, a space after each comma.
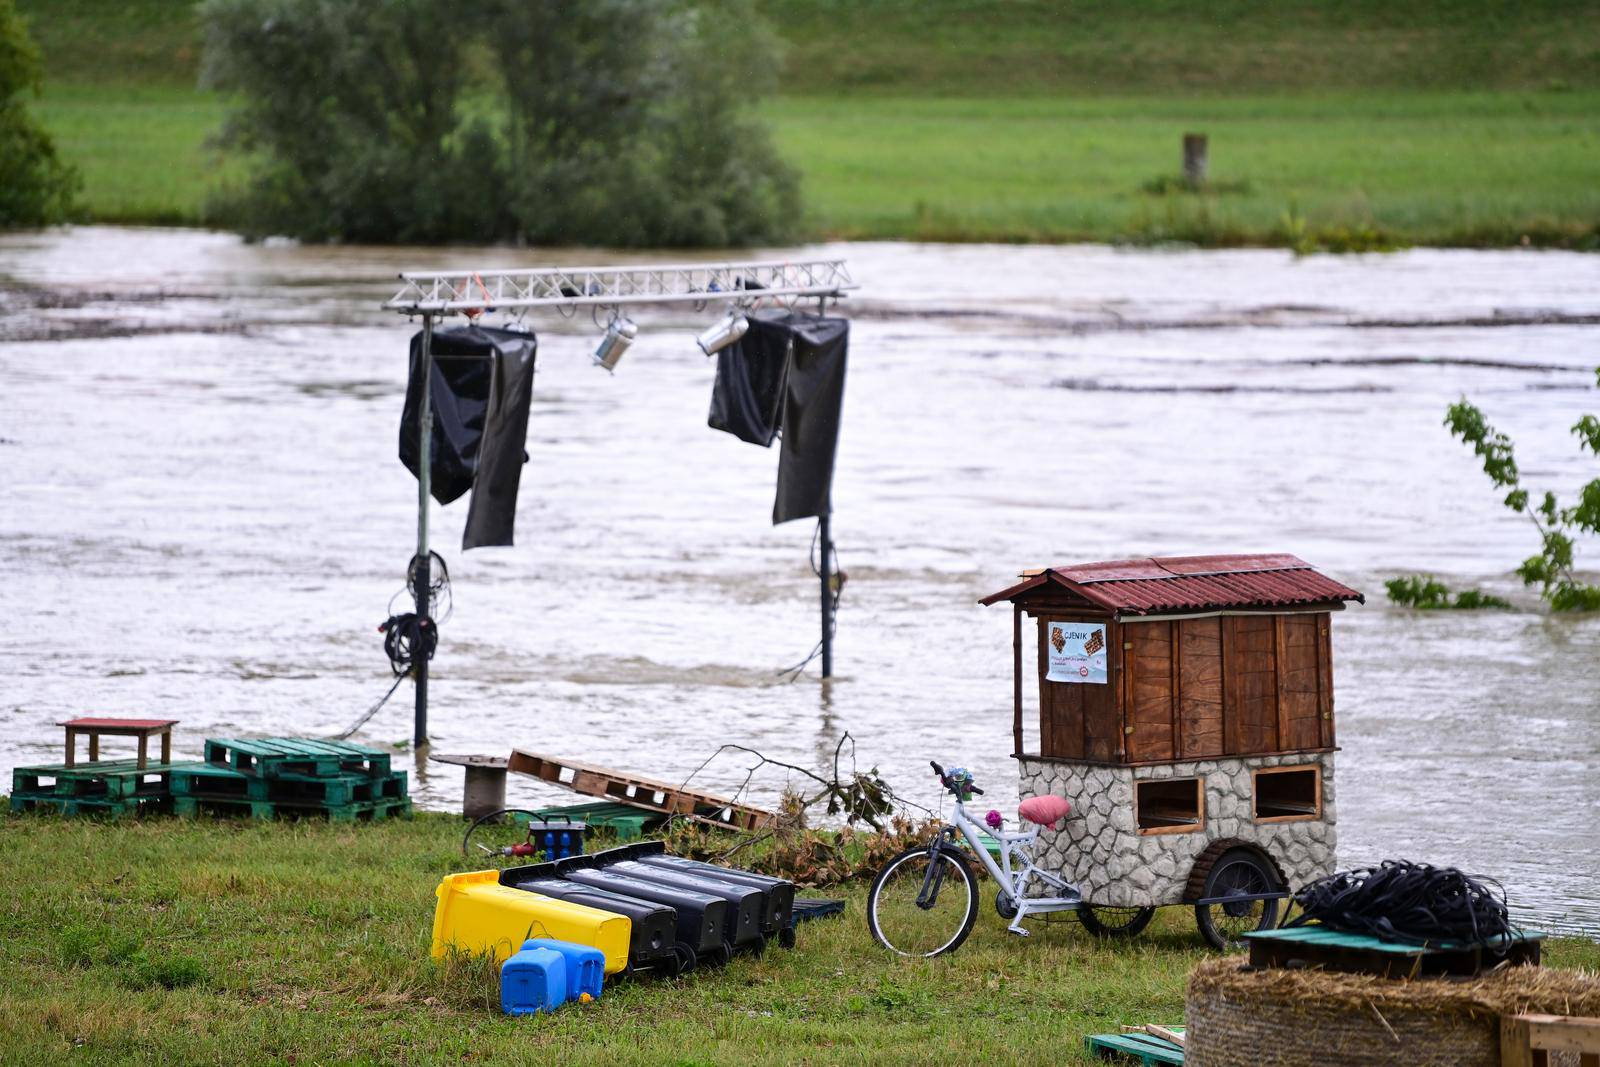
{"points": [[1243, 872], [786, 937], [1005, 905], [1114, 922]]}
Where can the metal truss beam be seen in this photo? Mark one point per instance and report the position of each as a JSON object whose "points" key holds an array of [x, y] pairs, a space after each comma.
{"points": [[449, 292]]}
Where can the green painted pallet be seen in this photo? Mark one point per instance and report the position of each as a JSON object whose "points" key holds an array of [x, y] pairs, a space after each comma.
{"points": [[104, 780], [211, 781], [95, 806], [272, 757], [1314, 934], [630, 823], [370, 810], [1146, 1048]]}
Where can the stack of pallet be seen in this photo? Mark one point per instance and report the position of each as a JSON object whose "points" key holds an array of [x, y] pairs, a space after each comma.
{"points": [[269, 776], [111, 788]]}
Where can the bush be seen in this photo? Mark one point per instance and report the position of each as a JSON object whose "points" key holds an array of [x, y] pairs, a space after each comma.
{"points": [[36, 187], [619, 122], [1430, 594]]}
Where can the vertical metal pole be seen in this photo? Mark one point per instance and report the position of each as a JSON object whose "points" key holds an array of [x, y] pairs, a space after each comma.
{"points": [[424, 575], [827, 595]]}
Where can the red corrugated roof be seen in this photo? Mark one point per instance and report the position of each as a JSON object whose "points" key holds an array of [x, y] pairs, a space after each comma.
{"points": [[1190, 583]]}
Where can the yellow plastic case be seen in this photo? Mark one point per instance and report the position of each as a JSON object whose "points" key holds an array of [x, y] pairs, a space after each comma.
{"points": [[477, 914]]}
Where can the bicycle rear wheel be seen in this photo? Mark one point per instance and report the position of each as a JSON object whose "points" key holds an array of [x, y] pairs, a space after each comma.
{"points": [[922, 903]]}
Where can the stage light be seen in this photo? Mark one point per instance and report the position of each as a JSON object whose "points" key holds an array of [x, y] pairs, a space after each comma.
{"points": [[620, 333], [723, 332]]}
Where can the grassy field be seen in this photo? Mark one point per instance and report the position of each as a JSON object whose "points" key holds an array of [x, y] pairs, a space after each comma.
{"points": [[212, 942], [1346, 126]]}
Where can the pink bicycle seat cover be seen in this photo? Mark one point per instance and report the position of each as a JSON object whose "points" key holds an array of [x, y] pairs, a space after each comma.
{"points": [[1045, 810]]}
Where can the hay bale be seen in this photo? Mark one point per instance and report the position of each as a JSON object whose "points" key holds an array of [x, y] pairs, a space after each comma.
{"points": [[1298, 1018]]}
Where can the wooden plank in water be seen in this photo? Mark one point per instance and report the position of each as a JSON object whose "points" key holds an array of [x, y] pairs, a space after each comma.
{"points": [[639, 792]]}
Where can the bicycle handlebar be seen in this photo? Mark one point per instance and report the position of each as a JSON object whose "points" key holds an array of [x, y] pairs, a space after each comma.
{"points": [[943, 780]]}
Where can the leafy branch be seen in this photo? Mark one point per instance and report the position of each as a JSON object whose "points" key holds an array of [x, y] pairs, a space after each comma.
{"points": [[1552, 568]]}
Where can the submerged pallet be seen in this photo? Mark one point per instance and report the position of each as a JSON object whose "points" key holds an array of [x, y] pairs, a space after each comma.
{"points": [[639, 792], [275, 757]]}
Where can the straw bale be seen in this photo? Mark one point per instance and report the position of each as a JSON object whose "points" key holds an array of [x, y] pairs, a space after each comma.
{"points": [[1288, 1018]]}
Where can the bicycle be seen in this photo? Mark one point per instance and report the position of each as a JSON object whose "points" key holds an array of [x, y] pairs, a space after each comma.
{"points": [[925, 900]]}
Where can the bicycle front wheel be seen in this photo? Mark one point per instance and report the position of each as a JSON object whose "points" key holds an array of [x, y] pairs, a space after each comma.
{"points": [[922, 903]]}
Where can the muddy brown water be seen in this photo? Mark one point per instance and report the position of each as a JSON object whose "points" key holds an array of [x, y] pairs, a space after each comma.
{"points": [[205, 520]]}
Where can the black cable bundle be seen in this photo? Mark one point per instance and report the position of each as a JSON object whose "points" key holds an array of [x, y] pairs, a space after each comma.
{"points": [[404, 636], [1410, 902]]}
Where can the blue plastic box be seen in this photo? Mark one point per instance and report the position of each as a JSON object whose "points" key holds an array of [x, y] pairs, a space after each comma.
{"points": [[533, 980], [586, 967]]}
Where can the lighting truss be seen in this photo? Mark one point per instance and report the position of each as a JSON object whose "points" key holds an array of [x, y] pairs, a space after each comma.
{"points": [[448, 292]]}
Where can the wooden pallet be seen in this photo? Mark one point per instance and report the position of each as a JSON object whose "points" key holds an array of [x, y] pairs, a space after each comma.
{"points": [[637, 792], [213, 782], [1333, 950], [106, 780], [227, 807], [273, 757], [1146, 1048], [90, 806]]}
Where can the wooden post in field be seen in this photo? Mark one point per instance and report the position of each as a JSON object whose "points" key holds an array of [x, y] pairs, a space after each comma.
{"points": [[1194, 160]]}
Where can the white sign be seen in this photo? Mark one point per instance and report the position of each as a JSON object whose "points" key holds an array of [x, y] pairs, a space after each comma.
{"points": [[1076, 652]]}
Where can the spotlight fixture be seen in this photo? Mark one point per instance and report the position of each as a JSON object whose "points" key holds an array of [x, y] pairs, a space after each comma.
{"points": [[620, 333], [723, 332]]}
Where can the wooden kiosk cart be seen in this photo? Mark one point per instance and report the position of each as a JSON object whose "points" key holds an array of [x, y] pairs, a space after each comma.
{"points": [[1186, 712]]}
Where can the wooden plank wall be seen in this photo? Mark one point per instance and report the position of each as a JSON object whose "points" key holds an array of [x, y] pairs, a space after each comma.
{"points": [[1197, 688], [1080, 721], [1250, 684], [1149, 688]]}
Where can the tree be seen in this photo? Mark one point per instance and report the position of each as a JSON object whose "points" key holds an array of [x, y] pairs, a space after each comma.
{"points": [[621, 122], [36, 187], [1551, 569]]}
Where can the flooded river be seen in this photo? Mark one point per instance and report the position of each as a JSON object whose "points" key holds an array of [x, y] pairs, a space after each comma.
{"points": [[204, 518]]}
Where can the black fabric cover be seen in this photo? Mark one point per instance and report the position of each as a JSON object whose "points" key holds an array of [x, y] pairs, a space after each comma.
{"points": [[747, 399], [481, 389], [786, 374], [813, 399]]}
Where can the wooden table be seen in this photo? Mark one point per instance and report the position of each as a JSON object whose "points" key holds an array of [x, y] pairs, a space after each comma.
{"points": [[143, 729]]}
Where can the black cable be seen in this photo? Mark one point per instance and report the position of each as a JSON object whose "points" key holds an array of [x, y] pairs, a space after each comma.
{"points": [[359, 723], [405, 637], [792, 673], [1411, 902]]}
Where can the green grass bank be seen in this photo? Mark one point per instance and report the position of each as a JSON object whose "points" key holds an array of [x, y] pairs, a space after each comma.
{"points": [[1344, 126], [209, 942]]}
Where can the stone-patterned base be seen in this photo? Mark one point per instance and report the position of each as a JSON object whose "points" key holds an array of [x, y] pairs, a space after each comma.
{"points": [[1101, 851]]}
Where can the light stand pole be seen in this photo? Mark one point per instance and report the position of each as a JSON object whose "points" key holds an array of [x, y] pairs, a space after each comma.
{"points": [[826, 571], [422, 578]]}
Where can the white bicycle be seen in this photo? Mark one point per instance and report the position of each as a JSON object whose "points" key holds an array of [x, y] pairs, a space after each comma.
{"points": [[925, 900]]}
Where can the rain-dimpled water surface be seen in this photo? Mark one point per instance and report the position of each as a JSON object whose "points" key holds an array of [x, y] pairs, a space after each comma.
{"points": [[205, 518]]}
